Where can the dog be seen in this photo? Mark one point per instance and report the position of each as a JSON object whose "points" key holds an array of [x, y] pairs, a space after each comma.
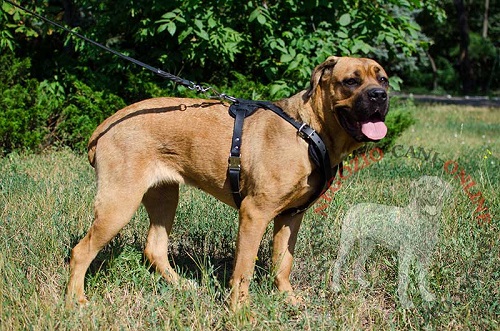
{"points": [[142, 153], [412, 231]]}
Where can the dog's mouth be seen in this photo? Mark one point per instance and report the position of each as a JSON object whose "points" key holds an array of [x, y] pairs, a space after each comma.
{"points": [[374, 128], [430, 210], [371, 128]]}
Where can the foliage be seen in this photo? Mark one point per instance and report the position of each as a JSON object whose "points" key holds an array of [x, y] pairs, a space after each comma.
{"points": [[269, 47], [84, 111], [40, 114], [304, 35], [282, 41], [484, 52], [23, 119]]}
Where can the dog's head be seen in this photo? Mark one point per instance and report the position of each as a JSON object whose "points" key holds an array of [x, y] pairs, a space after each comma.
{"points": [[357, 92], [429, 193]]}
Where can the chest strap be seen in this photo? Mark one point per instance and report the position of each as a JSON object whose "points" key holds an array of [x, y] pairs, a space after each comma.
{"points": [[317, 149]]}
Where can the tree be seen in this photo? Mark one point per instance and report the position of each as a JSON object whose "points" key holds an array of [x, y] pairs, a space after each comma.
{"points": [[464, 60], [485, 18], [276, 43]]}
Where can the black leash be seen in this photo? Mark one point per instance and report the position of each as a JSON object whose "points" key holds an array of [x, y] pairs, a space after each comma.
{"points": [[189, 84], [239, 110]]}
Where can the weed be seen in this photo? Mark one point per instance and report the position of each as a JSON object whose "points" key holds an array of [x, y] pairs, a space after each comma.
{"points": [[46, 207]]}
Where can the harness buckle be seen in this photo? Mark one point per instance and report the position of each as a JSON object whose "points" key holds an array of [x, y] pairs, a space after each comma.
{"points": [[302, 131], [234, 162]]}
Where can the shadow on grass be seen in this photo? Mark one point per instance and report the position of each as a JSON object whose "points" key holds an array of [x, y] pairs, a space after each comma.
{"points": [[189, 261]]}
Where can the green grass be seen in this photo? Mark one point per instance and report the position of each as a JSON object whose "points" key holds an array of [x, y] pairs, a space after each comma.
{"points": [[46, 207]]}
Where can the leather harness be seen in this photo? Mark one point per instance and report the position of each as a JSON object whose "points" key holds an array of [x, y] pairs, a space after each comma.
{"points": [[318, 152]]}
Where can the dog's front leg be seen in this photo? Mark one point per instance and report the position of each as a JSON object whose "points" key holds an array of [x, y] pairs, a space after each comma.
{"points": [[253, 220], [405, 259], [286, 229], [422, 266]]}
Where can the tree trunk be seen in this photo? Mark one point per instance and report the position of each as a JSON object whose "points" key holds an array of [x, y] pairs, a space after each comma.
{"points": [[485, 18], [434, 72], [464, 60]]}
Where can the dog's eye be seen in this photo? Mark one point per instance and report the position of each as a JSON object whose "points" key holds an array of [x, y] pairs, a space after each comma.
{"points": [[383, 80], [351, 82]]}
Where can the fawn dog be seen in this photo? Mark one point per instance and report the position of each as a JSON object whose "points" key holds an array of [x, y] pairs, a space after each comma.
{"points": [[143, 152]]}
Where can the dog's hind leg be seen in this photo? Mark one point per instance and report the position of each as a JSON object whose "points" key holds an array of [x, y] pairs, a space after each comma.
{"points": [[114, 207], [405, 259], [161, 203], [346, 242], [366, 247], [285, 236]]}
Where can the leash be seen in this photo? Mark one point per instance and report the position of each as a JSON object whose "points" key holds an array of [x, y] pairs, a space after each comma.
{"points": [[189, 84], [239, 109]]}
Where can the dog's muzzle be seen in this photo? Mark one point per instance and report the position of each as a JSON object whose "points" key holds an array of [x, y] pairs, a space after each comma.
{"points": [[374, 127], [365, 120], [377, 95]]}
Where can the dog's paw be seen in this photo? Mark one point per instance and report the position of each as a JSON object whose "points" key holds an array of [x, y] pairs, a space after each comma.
{"points": [[72, 303], [185, 284], [335, 287], [363, 282], [428, 296], [407, 304]]}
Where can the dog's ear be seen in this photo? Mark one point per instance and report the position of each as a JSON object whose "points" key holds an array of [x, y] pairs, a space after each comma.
{"points": [[318, 72]]}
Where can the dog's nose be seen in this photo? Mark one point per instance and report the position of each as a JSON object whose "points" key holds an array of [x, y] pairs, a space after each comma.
{"points": [[377, 95]]}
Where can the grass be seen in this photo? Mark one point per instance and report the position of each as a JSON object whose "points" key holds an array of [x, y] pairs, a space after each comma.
{"points": [[46, 207]]}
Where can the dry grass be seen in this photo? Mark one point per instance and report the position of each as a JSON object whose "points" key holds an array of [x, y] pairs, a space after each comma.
{"points": [[46, 207]]}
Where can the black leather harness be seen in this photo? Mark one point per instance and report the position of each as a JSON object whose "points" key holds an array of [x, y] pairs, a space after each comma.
{"points": [[317, 149]]}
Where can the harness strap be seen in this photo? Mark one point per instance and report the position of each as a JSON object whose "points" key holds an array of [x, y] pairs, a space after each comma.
{"points": [[234, 162], [317, 149]]}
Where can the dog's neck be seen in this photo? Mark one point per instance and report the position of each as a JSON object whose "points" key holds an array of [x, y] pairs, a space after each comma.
{"points": [[321, 117]]}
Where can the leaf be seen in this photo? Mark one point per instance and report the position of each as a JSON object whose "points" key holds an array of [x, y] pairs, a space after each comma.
{"points": [[275, 88], [199, 24], [172, 28], [286, 58], [365, 48], [203, 35], [169, 15], [293, 65], [161, 28], [395, 83], [345, 19], [6, 7], [211, 22], [262, 19], [184, 34], [342, 34], [253, 15]]}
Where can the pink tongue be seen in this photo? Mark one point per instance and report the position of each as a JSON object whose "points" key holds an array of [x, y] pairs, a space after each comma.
{"points": [[374, 130]]}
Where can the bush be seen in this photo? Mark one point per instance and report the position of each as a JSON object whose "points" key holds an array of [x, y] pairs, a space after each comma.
{"points": [[399, 118], [22, 119], [37, 115], [84, 110]]}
